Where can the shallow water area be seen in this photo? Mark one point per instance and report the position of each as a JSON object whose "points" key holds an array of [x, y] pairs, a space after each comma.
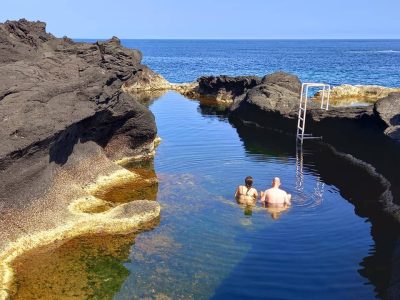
{"points": [[87, 267]]}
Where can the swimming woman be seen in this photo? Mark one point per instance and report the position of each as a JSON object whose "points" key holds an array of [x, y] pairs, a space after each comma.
{"points": [[246, 194]]}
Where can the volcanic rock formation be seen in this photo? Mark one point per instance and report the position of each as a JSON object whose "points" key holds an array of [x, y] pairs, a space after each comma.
{"points": [[388, 110], [64, 121]]}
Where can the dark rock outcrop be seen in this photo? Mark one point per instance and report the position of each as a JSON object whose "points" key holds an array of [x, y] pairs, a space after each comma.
{"points": [[288, 81], [61, 107], [270, 98], [225, 88], [49, 86], [388, 109], [275, 104]]}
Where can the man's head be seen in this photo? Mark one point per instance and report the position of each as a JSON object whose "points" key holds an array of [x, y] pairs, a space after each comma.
{"points": [[276, 182]]}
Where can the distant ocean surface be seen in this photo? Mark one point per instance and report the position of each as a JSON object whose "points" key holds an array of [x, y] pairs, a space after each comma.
{"points": [[332, 61]]}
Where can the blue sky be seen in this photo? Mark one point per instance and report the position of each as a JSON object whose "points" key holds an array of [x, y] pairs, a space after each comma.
{"points": [[265, 19]]}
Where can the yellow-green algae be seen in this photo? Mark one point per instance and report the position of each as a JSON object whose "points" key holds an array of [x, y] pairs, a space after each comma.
{"points": [[86, 215], [86, 267]]}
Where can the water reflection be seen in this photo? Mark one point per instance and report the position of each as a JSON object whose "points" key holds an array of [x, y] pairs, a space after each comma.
{"points": [[276, 210], [317, 196]]}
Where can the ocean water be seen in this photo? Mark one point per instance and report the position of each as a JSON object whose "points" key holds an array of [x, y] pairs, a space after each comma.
{"points": [[332, 61]]}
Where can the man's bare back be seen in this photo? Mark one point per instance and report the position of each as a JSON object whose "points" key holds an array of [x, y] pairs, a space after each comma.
{"points": [[276, 196]]}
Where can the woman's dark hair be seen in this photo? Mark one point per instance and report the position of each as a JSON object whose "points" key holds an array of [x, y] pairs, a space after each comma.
{"points": [[249, 181]]}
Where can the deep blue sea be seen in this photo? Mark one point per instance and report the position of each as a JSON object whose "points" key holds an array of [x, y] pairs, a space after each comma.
{"points": [[332, 61]]}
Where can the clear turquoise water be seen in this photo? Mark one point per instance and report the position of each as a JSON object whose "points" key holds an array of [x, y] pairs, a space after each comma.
{"points": [[331, 61], [206, 246]]}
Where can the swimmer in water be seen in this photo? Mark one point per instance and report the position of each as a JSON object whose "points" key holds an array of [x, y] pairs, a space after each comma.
{"points": [[275, 196], [246, 194], [276, 200]]}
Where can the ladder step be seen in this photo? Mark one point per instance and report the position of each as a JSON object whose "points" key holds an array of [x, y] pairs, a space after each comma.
{"points": [[301, 118]]}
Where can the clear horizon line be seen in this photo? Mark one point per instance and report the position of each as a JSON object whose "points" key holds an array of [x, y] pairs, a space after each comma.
{"points": [[248, 39]]}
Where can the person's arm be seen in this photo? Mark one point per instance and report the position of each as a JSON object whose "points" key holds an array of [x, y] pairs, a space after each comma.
{"points": [[236, 192], [255, 194], [288, 199], [263, 196]]}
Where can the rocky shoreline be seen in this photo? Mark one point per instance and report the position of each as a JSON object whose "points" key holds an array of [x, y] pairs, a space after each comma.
{"points": [[67, 128]]}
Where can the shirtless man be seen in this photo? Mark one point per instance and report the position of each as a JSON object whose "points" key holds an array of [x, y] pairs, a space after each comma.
{"points": [[246, 194], [275, 196]]}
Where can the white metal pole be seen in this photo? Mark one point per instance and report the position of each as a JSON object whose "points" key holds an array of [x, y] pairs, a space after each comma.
{"points": [[329, 95], [299, 115], [304, 119]]}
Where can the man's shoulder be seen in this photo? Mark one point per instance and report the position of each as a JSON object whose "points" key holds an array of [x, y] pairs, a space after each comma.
{"points": [[282, 191]]}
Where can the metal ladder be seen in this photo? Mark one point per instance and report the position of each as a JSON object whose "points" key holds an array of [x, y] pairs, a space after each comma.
{"points": [[301, 121]]}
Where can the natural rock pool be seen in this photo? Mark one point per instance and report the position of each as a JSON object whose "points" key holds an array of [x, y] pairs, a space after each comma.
{"points": [[205, 245]]}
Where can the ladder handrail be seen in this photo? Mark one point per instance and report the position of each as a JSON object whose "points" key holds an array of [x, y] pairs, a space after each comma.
{"points": [[301, 121]]}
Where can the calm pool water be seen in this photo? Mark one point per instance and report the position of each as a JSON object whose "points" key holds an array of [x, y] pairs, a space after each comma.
{"points": [[206, 246]]}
